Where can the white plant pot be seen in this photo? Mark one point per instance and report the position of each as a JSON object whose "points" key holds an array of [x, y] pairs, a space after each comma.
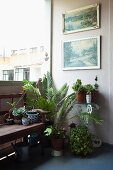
{"points": [[57, 153], [88, 98]]}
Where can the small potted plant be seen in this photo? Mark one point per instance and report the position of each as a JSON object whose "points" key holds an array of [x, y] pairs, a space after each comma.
{"points": [[57, 140], [18, 113], [89, 89], [79, 91]]}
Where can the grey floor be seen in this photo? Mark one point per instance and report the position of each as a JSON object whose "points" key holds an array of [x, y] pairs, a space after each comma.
{"points": [[102, 159]]}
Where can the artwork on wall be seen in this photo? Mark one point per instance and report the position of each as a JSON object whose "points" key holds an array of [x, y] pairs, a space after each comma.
{"points": [[81, 19], [81, 54]]}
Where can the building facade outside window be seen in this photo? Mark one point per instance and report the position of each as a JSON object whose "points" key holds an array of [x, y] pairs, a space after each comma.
{"points": [[26, 56]]}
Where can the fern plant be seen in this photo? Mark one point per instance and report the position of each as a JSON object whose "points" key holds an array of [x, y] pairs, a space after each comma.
{"points": [[86, 117]]}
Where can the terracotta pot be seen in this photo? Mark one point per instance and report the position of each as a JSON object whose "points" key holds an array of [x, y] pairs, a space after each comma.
{"points": [[81, 97], [95, 95], [57, 144]]}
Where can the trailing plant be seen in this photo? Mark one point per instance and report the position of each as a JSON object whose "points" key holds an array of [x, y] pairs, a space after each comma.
{"points": [[14, 109]]}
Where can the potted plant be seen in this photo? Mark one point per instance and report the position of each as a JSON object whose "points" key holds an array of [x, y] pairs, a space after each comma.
{"points": [[85, 93], [58, 134], [18, 113], [88, 119], [89, 90], [79, 91], [57, 140], [81, 140], [55, 101]]}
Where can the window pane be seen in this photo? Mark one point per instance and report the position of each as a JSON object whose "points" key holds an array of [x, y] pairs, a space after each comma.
{"points": [[8, 74]]}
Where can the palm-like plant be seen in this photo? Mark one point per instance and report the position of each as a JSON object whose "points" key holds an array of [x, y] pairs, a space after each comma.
{"points": [[49, 98]]}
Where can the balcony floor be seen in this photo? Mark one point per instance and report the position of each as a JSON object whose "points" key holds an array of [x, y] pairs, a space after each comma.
{"points": [[100, 160]]}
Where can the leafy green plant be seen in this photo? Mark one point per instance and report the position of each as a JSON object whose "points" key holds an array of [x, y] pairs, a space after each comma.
{"points": [[49, 98], [18, 111], [89, 88], [57, 132], [80, 140], [14, 110], [77, 87]]}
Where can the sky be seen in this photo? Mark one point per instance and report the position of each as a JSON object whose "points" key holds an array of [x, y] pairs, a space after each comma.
{"points": [[21, 24]]}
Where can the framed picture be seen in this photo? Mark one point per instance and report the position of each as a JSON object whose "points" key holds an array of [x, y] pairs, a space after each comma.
{"points": [[81, 19], [81, 54]]}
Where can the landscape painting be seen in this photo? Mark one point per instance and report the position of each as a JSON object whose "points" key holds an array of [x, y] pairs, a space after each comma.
{"points": [[81, 19], [81, 54]]}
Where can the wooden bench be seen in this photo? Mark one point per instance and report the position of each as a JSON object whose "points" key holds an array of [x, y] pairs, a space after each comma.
{"points": [[16, 133]]}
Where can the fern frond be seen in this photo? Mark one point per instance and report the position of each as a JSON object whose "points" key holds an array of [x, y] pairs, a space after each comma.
{"points": [[93, 117]]}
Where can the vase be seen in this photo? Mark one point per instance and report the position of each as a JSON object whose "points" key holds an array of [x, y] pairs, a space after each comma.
{"points": [[33, 116], [88, 98], [25, 121]]}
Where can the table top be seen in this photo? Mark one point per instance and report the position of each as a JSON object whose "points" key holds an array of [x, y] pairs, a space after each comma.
{"points": [[12, 132]]}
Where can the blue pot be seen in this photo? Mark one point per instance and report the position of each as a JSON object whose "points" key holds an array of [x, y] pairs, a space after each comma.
{"points": [[25, 121], [33, 116]]}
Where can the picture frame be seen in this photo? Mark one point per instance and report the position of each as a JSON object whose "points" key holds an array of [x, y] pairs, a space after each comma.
{"points": [[81, 19], [81, 54]]}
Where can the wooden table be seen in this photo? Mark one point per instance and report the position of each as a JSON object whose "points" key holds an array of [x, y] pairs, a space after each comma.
{"points": [[13, 132]]}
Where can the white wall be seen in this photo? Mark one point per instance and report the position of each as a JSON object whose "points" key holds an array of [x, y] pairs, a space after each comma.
{"points": [[105, 78]]}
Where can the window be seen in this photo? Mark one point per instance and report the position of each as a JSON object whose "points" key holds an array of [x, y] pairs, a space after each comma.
{"points": [[26, 72], [22, 74], [25, 39], [8, 74]]}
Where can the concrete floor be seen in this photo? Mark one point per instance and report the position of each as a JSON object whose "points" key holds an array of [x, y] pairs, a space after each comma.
{"points": [[102, 159]]}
